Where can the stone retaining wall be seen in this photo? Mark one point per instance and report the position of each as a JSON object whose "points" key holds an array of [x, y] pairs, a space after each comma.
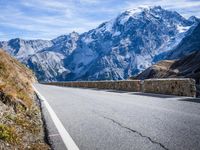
{"points": [[172, 86], [128, 85], [179, 87]]}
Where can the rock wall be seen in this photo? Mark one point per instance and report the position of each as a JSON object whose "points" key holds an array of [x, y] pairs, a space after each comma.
{"points": [[170, 86]]}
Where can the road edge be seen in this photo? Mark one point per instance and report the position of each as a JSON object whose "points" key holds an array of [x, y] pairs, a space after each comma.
{"points": [[50, 117]]}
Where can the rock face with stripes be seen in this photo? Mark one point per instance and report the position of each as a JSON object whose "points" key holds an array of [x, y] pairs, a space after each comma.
{"points": [[117, 49]]}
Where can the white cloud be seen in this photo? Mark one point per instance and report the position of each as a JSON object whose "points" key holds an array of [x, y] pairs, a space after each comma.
{"points": [[90, 1], [50, 18], [46, 25]]}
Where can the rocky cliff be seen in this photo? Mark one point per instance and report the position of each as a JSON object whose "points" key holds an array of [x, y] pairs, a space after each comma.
{"points": [[188, 64]]}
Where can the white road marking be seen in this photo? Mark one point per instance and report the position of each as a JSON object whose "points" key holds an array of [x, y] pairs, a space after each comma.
{"points": [[52, 135], [67, 139]]}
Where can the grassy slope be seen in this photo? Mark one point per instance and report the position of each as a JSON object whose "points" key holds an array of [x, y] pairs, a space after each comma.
{"points": [[20, 119], [15, 79]]}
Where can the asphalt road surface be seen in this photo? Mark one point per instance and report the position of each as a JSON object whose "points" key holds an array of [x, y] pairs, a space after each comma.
{"points": [[116, 120]]}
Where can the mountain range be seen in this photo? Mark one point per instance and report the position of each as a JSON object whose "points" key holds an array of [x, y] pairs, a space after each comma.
{"points": [[115, 50]]}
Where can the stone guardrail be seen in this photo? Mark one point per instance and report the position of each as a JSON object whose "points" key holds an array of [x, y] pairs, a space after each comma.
{"points": [[128, 85], [173, 86], [170, 86]]}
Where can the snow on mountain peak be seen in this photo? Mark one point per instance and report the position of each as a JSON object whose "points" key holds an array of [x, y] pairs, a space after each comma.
{"points": [[136, 12], [182, 29], [74, 35]]}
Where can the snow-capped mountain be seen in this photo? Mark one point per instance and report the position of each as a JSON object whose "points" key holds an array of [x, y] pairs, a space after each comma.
{"points": [[48, 64], [117, 49]]}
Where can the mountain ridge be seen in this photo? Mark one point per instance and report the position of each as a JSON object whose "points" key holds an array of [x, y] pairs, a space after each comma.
{"points": [[187, 66], [114, 50]]}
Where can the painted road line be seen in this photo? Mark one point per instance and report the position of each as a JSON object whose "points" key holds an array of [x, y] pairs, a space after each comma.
{"points": [[67, 139]]}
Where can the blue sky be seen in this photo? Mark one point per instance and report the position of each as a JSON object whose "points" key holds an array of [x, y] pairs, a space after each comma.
{"points": [[47, 19]]}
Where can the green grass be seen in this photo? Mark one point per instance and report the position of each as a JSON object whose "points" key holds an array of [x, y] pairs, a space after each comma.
{"points": [[8, 134]]}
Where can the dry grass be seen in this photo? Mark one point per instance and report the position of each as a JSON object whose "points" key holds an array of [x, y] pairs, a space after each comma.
{"points": [[15, 79], [21, 125]]}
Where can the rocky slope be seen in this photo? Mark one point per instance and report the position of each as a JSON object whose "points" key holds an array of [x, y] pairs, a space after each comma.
{"points": [[187, 66], [160, 70], [117, 49], [20, 124], [190, 43]]}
